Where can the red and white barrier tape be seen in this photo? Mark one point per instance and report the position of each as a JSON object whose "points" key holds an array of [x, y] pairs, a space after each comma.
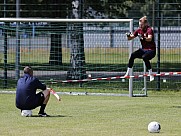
{"points": [[54, 93], [117, 77]]}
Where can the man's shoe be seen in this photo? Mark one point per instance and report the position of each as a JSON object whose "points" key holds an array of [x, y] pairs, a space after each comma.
{"points": [[127, 72], [126, 75], [151, 77], [150, 74], [43, 115]]}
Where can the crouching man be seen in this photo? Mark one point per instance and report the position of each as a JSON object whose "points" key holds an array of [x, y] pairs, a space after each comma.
{"points": [[26, 97]]}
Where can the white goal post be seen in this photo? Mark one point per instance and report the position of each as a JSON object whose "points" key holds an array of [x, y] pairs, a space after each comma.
{"points": [[130, 21]]}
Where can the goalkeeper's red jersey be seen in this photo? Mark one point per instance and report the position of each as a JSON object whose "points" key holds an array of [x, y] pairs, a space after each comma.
{"points": [[148, 31]]}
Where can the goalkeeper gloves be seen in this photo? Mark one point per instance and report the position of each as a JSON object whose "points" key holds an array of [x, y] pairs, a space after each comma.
{"points": [[128, 34], [140, 37]]}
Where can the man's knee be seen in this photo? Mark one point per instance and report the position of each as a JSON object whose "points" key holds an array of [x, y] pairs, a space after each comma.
{"points": [[145, 57], [133, 56], [46, 93]]}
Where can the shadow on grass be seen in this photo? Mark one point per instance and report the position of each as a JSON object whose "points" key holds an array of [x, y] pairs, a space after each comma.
{"points": [[51, 116], [176, 106]]}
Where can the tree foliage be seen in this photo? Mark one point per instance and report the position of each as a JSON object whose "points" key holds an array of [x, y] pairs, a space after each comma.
{"points": [[62, 8], [107, 8], [92, 8]]}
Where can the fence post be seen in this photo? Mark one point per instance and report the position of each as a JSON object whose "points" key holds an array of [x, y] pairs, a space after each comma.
{"points": [[158, 47], [131, 72], [17, 64]]}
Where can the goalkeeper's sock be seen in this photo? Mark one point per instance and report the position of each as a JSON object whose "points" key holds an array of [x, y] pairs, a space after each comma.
{"points": [[150, 74], [42, 108], [128, 71]]}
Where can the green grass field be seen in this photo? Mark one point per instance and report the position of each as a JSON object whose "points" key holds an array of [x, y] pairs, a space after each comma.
{"points": [[95, 116], [92, 55]]}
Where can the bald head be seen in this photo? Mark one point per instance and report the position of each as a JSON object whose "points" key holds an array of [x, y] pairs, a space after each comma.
{"points": [[143, 19], [28, 70], [143, 22]]}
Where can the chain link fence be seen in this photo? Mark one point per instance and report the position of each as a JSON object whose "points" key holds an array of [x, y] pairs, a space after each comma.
{"points": [[105, 48]]}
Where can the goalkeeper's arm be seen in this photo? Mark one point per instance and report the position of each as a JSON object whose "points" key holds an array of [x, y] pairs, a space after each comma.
{"points": [[148, 39], [130, 36]]}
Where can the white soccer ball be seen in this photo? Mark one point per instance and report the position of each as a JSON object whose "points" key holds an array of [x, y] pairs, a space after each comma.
{"points": [[26, 113], [154, 127]]}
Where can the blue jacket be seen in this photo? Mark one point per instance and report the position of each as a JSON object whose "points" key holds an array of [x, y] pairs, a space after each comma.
{"points": [[26, 90]]}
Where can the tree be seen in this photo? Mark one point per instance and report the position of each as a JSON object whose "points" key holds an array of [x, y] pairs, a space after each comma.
{"points": [[77, 58]]}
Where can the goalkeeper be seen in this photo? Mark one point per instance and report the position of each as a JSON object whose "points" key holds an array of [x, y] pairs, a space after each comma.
{"points": [[148, 50]]}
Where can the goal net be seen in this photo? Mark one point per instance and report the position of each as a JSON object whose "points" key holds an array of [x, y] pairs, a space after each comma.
{"points": [[82, 55]]}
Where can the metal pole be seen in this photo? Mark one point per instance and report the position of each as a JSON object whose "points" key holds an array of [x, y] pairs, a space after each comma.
{"points": [[178, 19], [153, 14], [17, 63], [158, 48], [5, 49], [145, 84], [111, 36], [131, 72]]}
